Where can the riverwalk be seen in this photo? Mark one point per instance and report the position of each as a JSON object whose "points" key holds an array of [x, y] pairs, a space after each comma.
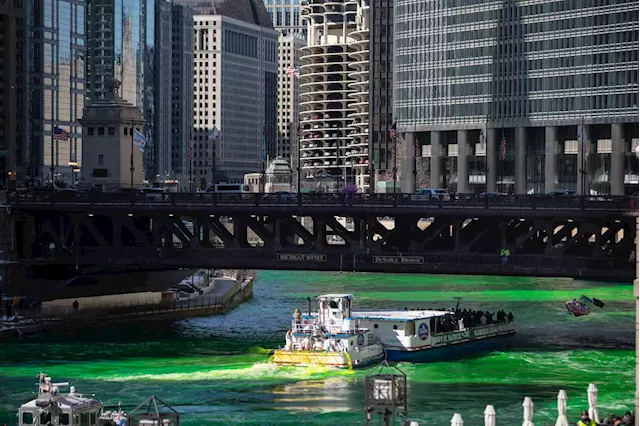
{"points": [[226, 295]]}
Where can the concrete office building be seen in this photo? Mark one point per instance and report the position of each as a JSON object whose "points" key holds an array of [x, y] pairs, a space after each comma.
{"points": [[325, 115], [52, 90], [285, 15], [174, 109], [235, 86], [13, 153], [542, 76], [291, 38], [121, 46], [289, 45]]}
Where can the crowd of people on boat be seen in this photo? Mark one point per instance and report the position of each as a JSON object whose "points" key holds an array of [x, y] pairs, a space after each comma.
{"points": [[466, 318]]}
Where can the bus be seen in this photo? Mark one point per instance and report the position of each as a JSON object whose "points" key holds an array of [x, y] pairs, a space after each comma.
{"points": [[229, 188]]}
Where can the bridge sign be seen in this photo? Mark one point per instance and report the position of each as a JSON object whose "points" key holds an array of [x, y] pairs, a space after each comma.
{"points": [[404, 260], [302, 257]]}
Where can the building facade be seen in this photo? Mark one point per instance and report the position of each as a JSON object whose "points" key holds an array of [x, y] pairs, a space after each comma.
{"points": [[517, 97], [174, 109], [381, 147], [13, 73], [121, 45], [291, 38], [285, 15], [53, 89], [235, 90], [325, 114]]}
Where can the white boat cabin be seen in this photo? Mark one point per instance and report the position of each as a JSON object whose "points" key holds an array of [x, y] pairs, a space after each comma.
{"points": [[51, 408]]}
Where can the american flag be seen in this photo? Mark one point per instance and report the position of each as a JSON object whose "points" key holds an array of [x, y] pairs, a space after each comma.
{"points": [[190, 150], [392, 131], [295, 70], [503, 148], [60, 134]]}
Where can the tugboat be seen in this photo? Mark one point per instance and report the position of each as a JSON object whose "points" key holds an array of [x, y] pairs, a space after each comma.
{"points": [[331, 337], [52, 408]]}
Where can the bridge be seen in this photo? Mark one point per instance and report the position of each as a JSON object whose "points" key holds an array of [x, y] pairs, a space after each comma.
{"points": [[586, 236]]}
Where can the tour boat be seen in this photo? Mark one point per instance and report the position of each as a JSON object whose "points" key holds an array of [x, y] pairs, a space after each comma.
{"points": [[330, 337], [420, 335], [407, 335], [51, 407]]}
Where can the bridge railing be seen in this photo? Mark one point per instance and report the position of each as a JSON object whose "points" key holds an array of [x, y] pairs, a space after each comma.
{"points": [[462, 201], [345, 260]]}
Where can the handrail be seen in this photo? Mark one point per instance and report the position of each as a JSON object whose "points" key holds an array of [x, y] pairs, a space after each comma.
{"points": [[395, 201]]}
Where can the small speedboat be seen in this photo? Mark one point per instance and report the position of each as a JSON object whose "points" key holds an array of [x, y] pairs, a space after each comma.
{"points": [[577, 308]]}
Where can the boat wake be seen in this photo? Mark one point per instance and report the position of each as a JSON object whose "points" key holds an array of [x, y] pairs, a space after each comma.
{"points": [[258, 371]]}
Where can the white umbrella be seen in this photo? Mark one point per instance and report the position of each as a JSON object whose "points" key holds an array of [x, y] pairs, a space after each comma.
{"points": [[592, 394], [456, 420], [562, 409], [489, 416], [527, 406]]}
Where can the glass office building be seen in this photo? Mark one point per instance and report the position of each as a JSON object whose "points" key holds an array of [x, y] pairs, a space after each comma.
{"points": [[518, 96], [55, 88], [121, 45]]}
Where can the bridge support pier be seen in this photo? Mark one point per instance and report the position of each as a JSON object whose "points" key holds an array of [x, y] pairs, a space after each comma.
{"points": [[521, 160], [436, 159]]}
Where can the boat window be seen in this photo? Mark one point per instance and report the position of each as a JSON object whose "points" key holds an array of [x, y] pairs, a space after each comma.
{"points": [[375, 325], [93, 419], [27, 418], [410, 329], [395, 327], [432, 325], [333, 304], [63, 418], [84, 419]]}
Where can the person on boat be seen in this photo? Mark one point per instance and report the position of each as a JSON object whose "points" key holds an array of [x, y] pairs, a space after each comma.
{"points": [[585, 420], [76, 305], [297, 316], [510, 317]]}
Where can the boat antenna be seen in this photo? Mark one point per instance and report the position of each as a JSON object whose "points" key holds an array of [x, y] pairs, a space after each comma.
{"points": [[458, 298]]}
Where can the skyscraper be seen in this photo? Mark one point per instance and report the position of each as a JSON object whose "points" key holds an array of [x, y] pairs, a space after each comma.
{"points": [[333, 113], [12, 89], [174, 107], [121, 45], [55, 93], [553, 84], [235, 84]]}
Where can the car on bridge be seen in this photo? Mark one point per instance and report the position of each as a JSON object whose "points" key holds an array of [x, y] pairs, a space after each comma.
{"points": [[561, 193], [428, 194]]}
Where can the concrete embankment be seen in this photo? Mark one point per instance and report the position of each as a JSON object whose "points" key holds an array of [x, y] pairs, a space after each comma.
{"points": [[60, 315]]}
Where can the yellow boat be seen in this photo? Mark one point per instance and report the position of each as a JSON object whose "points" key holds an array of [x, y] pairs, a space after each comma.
{"points": [[329, 338], [307, 358]]}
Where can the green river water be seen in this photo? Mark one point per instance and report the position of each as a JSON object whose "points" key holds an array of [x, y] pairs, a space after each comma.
{"points": [[214, 370]]}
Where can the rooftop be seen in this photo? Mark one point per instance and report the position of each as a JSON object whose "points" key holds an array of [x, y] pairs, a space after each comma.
{"points": [[250, 11], [403, 316]]}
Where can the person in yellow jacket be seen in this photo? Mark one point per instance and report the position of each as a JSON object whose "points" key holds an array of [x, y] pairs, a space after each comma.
{"points": [[585, 420], [504, 254]]}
